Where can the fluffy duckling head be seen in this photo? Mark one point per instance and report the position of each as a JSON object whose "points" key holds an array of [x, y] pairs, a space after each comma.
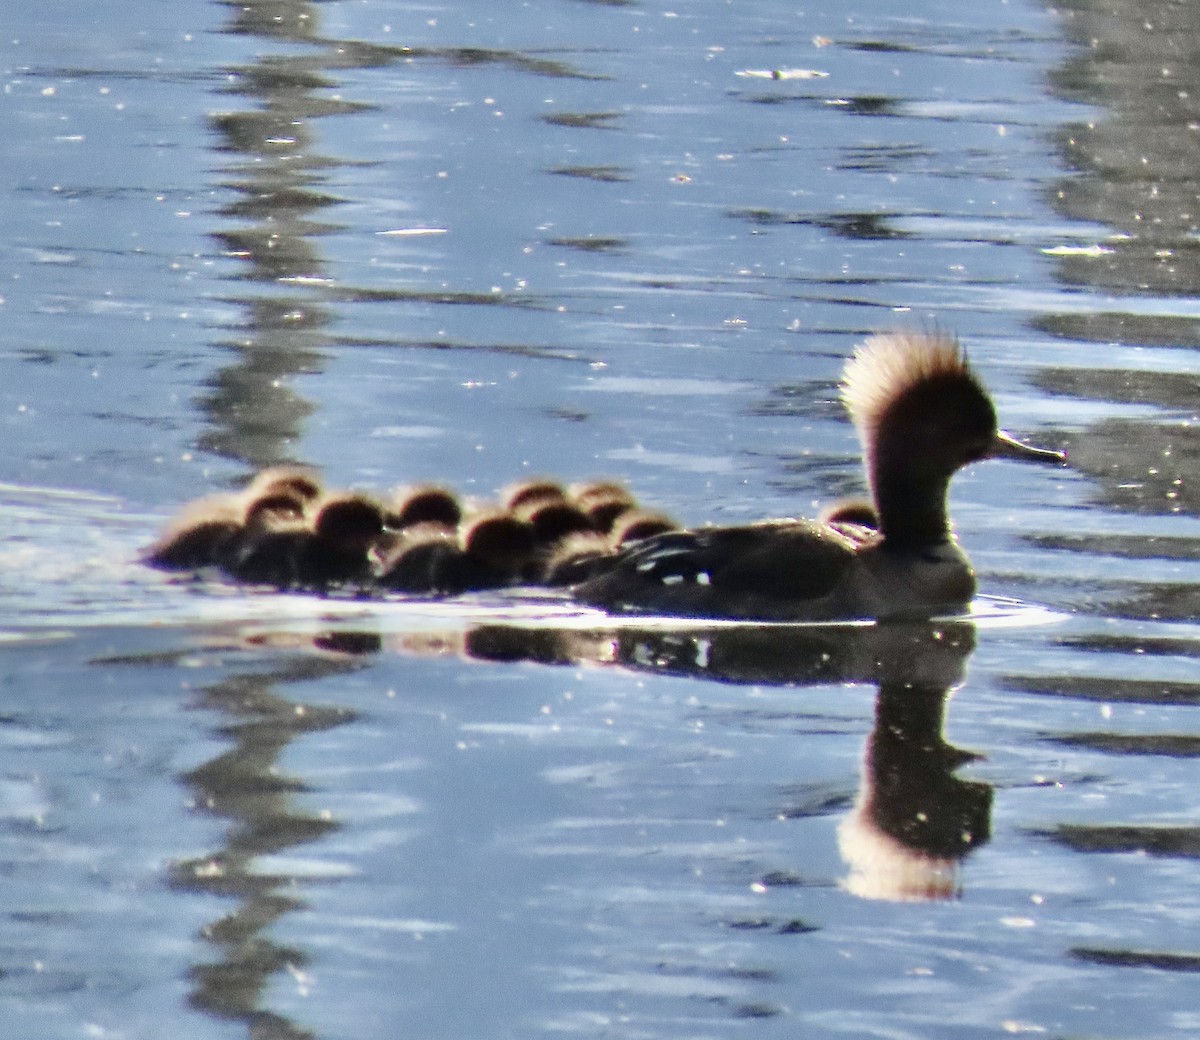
{"points": [[583, 494], [553, 521], [857, 511], [575, 558], [603, 501], [299, 482], [501, 541], [426, 504], [638, 524], [528, 494], [349, 521], [278, 508]]}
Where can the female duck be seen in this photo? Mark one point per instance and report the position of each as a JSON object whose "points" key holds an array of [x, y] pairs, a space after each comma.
{"points": [[921, 415]]}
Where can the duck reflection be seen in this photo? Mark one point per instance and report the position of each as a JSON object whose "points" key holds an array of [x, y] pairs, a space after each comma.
{"points": [[914, 820]]}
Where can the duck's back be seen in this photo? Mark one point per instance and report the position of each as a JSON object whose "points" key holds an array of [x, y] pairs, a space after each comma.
{"points": [[784, 570]]}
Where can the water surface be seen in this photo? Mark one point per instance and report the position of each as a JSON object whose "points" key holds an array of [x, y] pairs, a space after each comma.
{"points": [[473, 242]]}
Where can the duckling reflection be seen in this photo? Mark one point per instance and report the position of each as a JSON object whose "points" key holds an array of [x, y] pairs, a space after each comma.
{"points": [[913, 821]]}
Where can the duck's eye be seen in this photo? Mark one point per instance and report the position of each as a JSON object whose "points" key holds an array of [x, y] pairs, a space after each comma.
{"points": [[978, 449]]}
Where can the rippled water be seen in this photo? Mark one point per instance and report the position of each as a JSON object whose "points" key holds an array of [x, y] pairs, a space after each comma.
{"points": [[474, 241]]}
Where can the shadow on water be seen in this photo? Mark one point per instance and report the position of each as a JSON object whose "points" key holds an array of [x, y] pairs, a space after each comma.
{"points": [[274, 170], [245, 787]]}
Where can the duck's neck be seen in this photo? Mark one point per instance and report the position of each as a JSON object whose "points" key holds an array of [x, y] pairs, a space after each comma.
{"points": [[912, 512]]}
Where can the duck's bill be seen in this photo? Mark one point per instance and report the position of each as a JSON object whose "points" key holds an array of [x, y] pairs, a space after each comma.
{"points": [[1006, 446]]}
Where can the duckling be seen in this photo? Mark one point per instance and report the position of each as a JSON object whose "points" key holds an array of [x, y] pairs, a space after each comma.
{"points": [[553, 521], [346, 527], [502, 544], [335, 549], [605, 511], [857, 511], [207, 530], [424, 504], [574, 559], [921, 414], [637, 524], [415, 560], [301, 482], [493, 551], [603, 501], [584, 554], [198, 536], [525, 494]]}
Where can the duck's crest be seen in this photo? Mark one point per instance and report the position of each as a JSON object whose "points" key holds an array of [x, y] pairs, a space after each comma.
{"points": [[888, 364]]}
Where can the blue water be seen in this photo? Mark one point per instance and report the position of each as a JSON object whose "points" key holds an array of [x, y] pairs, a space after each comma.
{"points": [[472, 242]]}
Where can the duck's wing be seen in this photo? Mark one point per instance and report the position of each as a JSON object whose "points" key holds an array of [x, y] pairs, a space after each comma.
{"points": [[784, 569]]}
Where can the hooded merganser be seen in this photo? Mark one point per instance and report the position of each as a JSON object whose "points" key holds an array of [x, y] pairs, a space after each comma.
{"points": [[921, 415]]}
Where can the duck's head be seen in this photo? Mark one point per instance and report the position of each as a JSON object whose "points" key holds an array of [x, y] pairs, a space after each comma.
{"points": [[921, 415]]}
